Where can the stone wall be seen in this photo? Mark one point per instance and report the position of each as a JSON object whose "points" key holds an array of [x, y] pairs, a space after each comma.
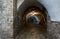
{"points": [[6, 19], [53, 29], [56, 29]]}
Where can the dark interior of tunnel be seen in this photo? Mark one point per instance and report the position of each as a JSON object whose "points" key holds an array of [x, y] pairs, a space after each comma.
{"points": [[23, 22], [35, 16]]}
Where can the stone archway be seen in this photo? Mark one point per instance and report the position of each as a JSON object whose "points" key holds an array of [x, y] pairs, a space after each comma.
{"points": [[19, 25]]}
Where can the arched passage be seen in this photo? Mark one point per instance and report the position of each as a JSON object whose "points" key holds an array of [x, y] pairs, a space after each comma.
{"points": [[19, 23], [34, 16]]}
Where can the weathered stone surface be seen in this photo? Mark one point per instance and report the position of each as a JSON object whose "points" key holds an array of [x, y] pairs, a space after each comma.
{"points": [[6, 19], [54, 29]]}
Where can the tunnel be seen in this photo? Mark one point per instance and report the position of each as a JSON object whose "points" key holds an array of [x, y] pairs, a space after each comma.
{"points": [[31, 18]]}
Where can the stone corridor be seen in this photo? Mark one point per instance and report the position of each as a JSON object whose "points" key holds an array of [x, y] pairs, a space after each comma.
{"points": [[12, 26]]}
